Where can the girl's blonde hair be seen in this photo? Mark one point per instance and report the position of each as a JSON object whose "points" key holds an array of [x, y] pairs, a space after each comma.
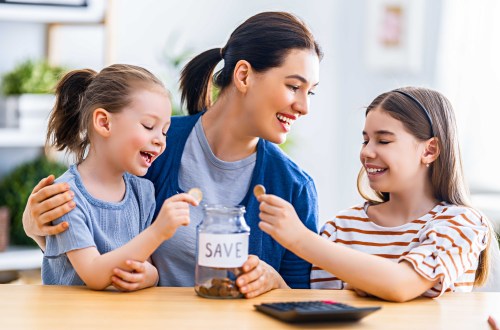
{"points": [[80, 92], [446, 173]]}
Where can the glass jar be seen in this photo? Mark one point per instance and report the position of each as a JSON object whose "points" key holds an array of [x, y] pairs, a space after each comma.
{"points": [[222, 248]]}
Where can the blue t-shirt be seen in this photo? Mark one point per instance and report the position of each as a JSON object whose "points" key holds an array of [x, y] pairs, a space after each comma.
{"points": [[273, 169], [97, 223]]}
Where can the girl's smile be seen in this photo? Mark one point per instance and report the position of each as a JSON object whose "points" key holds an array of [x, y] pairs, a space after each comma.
{"points": [[374, 171], [390, 155], [149, 157]]}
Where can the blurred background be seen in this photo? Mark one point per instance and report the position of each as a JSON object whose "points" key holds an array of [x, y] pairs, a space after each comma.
{"points": [[370, 46]]}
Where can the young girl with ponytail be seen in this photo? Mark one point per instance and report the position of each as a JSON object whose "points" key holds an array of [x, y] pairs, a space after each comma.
{"points": [[115, 123]]}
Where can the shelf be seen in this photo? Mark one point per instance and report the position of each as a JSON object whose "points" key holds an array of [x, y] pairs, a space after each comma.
{"points": [[20, 258], [60, 11], [15, 138]]}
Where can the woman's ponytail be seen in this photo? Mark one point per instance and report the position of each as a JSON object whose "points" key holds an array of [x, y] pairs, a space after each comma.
{"points": [[65, 128], [195, 81]]}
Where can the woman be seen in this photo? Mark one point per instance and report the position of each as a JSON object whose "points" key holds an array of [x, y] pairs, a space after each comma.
{"points": [[271, 67]]}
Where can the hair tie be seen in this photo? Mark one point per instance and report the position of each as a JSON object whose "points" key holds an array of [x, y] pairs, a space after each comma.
{"points": [[421, 106], [221, 53]]}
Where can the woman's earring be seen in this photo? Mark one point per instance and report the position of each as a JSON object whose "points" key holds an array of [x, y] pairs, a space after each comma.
{"points": [[427, 165]]}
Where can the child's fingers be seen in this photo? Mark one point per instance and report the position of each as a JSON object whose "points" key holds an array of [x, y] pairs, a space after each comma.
{"points": [[272, 200], [266, 227], [122, 285], [136, 266], [269, 209], [185, 221], [183, 198]]}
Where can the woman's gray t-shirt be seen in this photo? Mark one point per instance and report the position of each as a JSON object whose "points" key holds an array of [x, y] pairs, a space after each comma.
{"points": [[221, 182]]}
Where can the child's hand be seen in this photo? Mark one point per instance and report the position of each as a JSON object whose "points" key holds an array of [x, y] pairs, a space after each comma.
{"points": [[140, 275], [359, 292], [280, 220], [174, 213]]}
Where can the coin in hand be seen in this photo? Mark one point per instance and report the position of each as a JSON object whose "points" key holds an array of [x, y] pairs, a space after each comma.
{"points": [[196, 193], [259, 190]]}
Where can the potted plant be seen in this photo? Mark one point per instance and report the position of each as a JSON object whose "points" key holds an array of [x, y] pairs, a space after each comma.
{"points": [[28, 92], [16, 187]]}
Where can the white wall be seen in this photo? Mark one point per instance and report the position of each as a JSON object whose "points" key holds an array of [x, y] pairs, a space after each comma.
{"points": [[326, 143]]}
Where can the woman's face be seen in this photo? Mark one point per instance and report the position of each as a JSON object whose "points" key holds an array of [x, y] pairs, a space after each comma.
{"points": [[279, 96]]}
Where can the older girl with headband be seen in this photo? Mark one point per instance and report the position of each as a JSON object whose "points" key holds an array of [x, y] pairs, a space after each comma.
{"points": [[416, 233], [271, 68]]}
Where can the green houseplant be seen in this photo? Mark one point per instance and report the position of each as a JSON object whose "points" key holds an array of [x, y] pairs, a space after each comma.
{"points": [[28, 94], [16, 187], [31, 77]]}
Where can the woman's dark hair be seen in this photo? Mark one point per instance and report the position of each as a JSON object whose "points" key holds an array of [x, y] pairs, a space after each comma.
{"points": [[263, 40], [80, 92]]}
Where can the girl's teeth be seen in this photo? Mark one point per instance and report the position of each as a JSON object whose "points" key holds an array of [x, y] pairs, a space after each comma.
{"points": [[374, 170], [147, 156]]}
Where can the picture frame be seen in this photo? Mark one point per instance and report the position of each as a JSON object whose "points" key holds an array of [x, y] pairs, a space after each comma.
{"points": [[394, 35], [53, 11]]}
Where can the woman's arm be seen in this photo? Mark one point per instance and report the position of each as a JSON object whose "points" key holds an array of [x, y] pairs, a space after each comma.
{"points": [[47, 203], [372, 274]]}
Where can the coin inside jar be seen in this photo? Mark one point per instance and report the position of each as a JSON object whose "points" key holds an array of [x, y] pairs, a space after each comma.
{"points": [[219, 288], [196, 193], [259, 190]]}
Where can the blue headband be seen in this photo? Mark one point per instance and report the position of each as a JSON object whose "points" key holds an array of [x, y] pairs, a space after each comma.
{"points": [[427, 114]]}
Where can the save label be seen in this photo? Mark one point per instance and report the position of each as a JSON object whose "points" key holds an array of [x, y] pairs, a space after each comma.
{"points": [[222, 250]]}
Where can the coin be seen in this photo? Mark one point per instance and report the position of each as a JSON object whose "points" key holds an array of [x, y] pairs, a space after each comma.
{"points": [[196, 193], [259, 190]]}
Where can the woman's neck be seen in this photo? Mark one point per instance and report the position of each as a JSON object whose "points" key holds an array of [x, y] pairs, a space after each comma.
{"points": [[225, 131], [100, 179]]}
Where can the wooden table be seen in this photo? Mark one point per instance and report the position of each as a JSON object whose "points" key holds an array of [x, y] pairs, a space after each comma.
{"points": [[53, 307]]}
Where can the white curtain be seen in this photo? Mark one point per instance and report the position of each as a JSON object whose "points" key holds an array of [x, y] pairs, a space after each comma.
{"points": [[469, 74]]}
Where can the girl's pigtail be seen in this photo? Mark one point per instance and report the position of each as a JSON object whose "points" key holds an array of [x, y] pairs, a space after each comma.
{"points": [[65, 128]]}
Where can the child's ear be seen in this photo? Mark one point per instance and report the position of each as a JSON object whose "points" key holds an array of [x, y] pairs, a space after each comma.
{"points": [[101, 120], [431, 152], [241, 75]]}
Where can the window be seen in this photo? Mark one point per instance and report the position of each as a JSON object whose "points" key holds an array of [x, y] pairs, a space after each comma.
{"points": [[469, 74]]}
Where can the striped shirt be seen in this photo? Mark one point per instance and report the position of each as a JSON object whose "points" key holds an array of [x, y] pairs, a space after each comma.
{"points": [[445, 243]]}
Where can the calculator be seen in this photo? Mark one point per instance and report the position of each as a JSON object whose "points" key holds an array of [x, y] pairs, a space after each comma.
{"points": [[315, 311]]}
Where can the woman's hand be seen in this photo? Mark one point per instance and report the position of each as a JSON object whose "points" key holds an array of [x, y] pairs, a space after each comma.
{"points": [[258, 278], [139, 276], [46, 203], [280, 220]]}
